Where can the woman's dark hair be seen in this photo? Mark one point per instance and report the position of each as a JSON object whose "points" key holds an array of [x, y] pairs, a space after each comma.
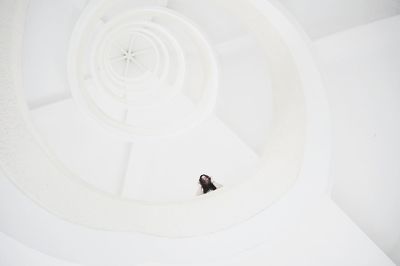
{"points": [[206, 184]]}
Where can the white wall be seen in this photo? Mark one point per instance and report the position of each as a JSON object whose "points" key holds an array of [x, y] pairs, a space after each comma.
{"points": [[14, 253], [321, 18], [361, 69], [332, 240], [48, 45], [395, 253]]}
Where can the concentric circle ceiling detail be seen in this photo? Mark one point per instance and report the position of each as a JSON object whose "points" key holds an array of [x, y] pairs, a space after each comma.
{"points": [[130, 72]]}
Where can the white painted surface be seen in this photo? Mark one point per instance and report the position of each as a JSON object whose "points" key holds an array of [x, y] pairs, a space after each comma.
{"points": [[361, 69], [394, 254], [168, 170], [100, 159], [13, 253], [45, 47], [314, 251], [314, 233], [219, 24], [332, 240], [87, 150], [322, 18], [245, 96], [53, 185]]}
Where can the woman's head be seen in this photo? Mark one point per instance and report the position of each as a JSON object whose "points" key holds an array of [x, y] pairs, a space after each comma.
{"points": [[206, 184], [204, 179]]}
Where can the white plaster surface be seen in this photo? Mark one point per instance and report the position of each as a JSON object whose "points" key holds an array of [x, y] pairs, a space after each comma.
{"points": [[13, 253], [322, 18], [361, 68], [315, 233]]}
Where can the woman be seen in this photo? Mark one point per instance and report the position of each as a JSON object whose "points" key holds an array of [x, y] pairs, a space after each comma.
{"points": [[206, 185]]}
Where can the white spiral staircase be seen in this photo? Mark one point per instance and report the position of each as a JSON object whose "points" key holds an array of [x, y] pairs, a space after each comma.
{"points": [[110, 110]]}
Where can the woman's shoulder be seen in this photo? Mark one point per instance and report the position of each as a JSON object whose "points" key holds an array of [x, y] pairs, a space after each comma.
{"points": [[217, 185]]}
